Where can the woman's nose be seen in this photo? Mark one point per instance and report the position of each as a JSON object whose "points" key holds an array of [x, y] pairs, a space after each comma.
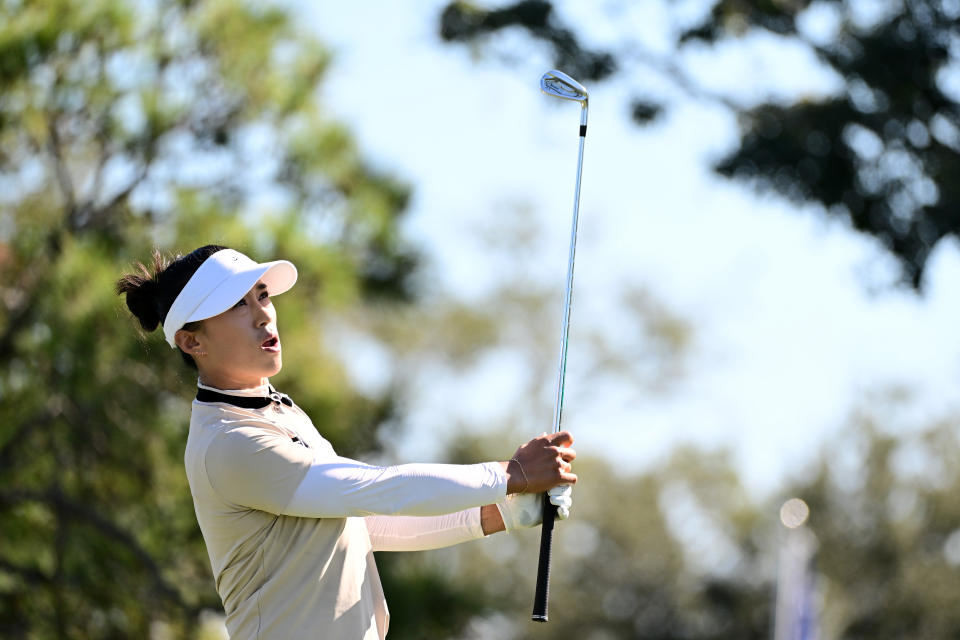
{"points": [[263, 315]]}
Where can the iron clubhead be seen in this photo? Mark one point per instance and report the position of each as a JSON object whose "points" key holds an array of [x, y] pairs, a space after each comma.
{"points": [[560, 85]]}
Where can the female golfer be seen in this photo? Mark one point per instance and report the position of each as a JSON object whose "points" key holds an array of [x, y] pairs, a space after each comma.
{"points": [[289, 525]]}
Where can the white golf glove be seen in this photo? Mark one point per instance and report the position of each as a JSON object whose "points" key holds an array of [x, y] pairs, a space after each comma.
{"points": [[562, 498], [524, 510]]}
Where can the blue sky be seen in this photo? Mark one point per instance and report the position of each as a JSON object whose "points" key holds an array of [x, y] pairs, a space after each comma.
{"points": [[795, 321]]}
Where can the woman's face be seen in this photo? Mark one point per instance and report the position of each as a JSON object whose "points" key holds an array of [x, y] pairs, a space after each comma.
{"points": [[241, 346]]}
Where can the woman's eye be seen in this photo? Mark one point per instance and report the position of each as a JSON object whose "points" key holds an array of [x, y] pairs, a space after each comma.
{"points": [[264, 295], [241, 303]]}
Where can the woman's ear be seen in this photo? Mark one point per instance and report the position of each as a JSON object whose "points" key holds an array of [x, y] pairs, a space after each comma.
{"points": [[188, 343]]}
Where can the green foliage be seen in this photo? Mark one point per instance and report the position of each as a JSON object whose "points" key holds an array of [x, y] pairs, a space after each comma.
{"points": [[465, 22], [888, 541], [427, 599], [883, 153]]}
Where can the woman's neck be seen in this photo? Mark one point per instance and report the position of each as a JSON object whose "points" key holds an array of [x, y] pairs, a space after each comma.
{"points": [[230, 383]]}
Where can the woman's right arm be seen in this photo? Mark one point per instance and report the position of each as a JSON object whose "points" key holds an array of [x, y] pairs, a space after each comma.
{"points": [[341, 487], [269, 472]]}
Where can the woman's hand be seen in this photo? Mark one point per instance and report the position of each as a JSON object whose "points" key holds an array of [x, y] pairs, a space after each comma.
{"points": [[523, 510], [541, 464]]}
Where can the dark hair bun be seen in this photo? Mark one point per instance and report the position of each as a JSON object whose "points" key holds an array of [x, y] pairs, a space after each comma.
{"points": [[142, 293], [150, 292]]}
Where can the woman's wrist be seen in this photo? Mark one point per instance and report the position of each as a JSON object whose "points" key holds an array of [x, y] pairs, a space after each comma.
{"points": [[490, 519], [517, 481]]}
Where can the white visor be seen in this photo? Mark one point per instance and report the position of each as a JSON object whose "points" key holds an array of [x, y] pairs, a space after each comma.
{"points": [[221, 282]]}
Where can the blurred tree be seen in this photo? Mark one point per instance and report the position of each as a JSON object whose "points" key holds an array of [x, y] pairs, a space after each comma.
{"points": [[884, 512], [125, 126], [880, 150]]}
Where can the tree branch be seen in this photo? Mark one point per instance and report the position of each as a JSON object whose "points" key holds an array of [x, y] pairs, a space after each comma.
{"points": [[100, 213], [86, 515], [60, 165], [27, 426], [672, 71], [30, 574], [20, 316]]}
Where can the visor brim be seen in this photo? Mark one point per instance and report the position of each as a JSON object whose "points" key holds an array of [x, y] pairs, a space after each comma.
{"points": [[279, 276]]}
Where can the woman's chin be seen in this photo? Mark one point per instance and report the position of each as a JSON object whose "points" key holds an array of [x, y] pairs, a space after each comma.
{"points": [[277, 364]]}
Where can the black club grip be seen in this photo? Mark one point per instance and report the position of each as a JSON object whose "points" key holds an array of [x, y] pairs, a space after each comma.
{"points": [[542, 594]]}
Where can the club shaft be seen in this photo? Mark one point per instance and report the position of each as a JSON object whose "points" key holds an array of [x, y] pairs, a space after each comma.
{"points": [[542, 594], [568, 299], [568, 293]]}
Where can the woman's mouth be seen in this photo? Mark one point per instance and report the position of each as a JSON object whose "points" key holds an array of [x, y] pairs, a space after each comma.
{"points": [[271, 344]]}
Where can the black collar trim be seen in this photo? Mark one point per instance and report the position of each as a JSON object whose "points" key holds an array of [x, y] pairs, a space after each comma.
{"points": [[244, 402]]}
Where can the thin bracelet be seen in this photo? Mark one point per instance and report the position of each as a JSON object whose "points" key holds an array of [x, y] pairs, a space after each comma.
{"points": [[526, 482]]}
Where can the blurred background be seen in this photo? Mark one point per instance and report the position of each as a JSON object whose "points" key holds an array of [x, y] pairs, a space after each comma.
{"points": [[763, 367]]}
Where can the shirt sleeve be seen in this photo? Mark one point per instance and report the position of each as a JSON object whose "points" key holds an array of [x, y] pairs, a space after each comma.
{"points": [[412, 533], [339, 487], [256, 468]]}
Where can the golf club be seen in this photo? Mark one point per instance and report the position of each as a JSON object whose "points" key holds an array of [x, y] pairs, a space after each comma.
{"points": [[560, 85]]}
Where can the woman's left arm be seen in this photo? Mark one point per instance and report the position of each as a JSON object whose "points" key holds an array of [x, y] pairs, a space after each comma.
{"points": [[420, 533]]}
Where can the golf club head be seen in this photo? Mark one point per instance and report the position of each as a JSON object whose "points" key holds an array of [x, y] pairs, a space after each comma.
{"points": [[560, 85]]}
